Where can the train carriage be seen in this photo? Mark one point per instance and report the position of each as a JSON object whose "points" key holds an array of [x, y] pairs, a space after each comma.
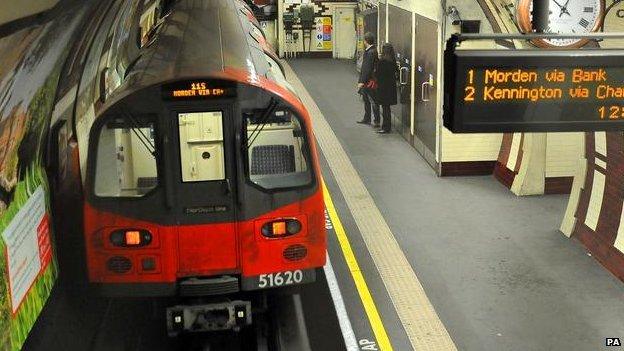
{"points": [[191, 161]]}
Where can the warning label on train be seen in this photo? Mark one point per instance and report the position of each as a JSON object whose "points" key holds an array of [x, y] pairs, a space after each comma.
{"points": [[28, 246]]}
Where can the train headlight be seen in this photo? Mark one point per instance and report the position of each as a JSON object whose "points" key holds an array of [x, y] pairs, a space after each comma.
{"points": [[281, 228], [130, 238]]}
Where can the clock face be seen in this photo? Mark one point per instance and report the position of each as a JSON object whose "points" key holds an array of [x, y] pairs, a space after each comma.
{"points": [[566, 17]]}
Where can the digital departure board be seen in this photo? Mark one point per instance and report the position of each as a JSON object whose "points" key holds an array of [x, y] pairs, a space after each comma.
{"points": [[534, 91], [198, 90]]}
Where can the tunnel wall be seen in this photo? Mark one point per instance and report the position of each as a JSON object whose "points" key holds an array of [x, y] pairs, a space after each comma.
{"points": [[16, 10], [599, 217]]}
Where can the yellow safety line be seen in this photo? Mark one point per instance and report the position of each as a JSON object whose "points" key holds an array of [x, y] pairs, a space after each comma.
{"points": [[360, 283]]}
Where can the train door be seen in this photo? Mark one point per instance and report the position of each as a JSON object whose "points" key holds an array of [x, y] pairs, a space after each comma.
{"points": [[203, 171], [425, 95], [401, 39], [344, 30]]}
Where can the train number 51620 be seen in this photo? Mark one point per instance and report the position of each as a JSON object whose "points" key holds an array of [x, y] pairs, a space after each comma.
{"points": [[280, 279]]}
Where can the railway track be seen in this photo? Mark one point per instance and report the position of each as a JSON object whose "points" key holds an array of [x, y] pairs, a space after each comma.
{"points": [[77, 320]]}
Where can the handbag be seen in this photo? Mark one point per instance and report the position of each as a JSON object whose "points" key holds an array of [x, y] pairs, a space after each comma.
{"points": [[372, 84]]}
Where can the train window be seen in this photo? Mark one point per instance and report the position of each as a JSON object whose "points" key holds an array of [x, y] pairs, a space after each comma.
{"points": [[277, 156], [201, 146], [126, 158]]}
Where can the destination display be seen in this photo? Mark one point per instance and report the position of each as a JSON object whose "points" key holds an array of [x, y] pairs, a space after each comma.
{"points": [[198, 89], [534, 91]]}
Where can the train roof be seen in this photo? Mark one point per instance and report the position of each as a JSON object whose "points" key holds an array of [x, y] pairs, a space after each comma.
{"points": [[198, 39]]}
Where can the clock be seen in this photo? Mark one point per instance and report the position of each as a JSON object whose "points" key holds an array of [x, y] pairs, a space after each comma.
{"points": [[565, 17]]}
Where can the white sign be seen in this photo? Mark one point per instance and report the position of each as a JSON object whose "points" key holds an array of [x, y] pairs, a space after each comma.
{"points": [[28, 246]]}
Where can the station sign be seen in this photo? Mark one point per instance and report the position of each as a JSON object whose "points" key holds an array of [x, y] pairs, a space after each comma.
{"points": [[534, 90]]}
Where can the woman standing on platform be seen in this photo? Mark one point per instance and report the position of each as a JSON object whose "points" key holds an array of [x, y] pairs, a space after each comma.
{"points": [[386, 74]]}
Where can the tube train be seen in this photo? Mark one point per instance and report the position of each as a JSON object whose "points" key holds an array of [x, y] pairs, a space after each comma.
{"points": [[185, 160]]}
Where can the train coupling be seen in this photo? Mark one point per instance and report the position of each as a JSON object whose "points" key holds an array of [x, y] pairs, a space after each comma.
{"points": [[208, 317]]}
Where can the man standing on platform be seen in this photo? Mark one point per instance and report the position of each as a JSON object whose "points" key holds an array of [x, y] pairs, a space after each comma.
{"points": [[369, 62]]}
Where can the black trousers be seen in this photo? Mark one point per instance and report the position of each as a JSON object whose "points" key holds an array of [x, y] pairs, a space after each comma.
{"points": [[368, 101], [387, 118]]}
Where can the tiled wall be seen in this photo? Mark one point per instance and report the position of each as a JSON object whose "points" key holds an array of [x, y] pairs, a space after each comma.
{"points": [[562, 153], [599, 215]]}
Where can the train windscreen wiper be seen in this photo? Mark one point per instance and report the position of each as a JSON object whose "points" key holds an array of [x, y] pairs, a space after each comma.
{"points": [[144, 139], [262, 122]]}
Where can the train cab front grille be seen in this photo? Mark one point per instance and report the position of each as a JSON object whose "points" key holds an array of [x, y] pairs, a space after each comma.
{"points": [[119, 264], [209, 286], [295, 252]]}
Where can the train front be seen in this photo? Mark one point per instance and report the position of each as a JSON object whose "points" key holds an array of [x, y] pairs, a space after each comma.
{"points": [[200, 188]]}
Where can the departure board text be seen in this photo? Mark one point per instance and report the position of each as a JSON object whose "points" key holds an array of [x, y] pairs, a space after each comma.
{"points": [[535, 91]]}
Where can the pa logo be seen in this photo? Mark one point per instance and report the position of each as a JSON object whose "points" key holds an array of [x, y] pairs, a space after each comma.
{"points": [[613, 342]]}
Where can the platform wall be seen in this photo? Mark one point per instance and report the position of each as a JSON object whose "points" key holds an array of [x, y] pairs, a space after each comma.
{"points": [[16, 10], [449, 154], [465, 154], [598, 215]]}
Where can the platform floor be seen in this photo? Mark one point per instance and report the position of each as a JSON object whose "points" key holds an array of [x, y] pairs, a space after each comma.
{"points": [[494, 266]]}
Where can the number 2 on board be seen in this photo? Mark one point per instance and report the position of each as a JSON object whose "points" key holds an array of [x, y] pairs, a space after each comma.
{"points": [[470, 91]]}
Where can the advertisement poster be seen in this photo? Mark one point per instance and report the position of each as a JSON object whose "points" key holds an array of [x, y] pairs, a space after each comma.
{"points": [[323, 33], [30, 67], [28, 250]]}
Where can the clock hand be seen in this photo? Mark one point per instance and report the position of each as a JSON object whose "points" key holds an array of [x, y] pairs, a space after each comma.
{"points": [[558, 4], [562, 8], [565, 9]]}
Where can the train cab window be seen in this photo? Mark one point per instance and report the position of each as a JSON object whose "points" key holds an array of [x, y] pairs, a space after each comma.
{"points": [[278, 155], [201, 146], [126, 161]]}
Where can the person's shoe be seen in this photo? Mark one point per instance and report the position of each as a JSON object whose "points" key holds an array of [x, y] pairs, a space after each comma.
{"points": [[376, 125], [383, 131], [363, 122]]}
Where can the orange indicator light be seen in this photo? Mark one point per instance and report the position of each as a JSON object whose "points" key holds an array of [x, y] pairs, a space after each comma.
{"points": [[279, 228], [133, 237]]}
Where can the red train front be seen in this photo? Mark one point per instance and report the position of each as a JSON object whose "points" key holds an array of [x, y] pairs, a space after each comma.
{"points": [[198, 166]]}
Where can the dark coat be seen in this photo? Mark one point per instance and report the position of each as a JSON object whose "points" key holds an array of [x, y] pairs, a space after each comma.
{"points": [[369, 62], [386, 74]]}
